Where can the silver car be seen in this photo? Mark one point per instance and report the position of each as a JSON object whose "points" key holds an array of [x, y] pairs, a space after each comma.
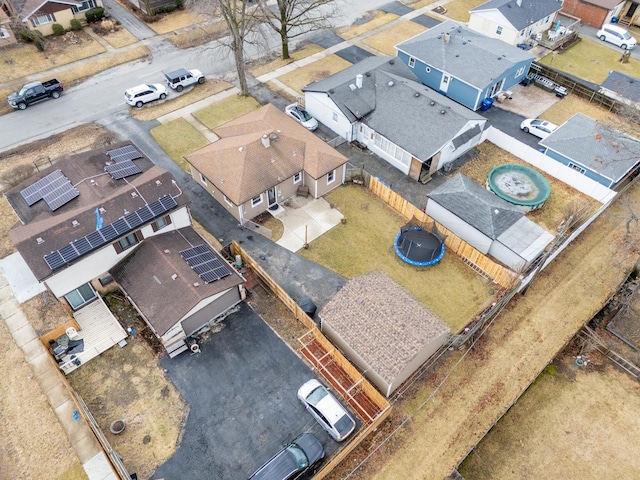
{"points": [[326, 409], [539, 128], [293, 459]]}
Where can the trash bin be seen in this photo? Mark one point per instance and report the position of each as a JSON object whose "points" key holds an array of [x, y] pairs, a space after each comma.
{"points": [[487, 103], [614, 19]]}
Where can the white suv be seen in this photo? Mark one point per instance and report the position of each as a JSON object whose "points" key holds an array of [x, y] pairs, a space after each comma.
{"points": [[617, 35], [138, 96]]}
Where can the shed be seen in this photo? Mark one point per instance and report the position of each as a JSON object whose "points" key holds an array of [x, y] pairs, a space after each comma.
{"points": [[382, 329]]}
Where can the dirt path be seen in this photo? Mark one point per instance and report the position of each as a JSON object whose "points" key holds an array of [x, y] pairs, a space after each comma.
{"points": [[484, 383]]}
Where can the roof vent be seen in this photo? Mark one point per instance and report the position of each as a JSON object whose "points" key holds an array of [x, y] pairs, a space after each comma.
{"points": [[368, 74], [390, 83], [39, 240], [134, 195], [102, 210], [75, 223], [126, 212], [332, 91], [442, 112], [157, 280], [432, 103], [92, 181], [359, 80], [240, 149], [265, 141], [352, 87], [273, 160], [174, 276], [447, 37], [273, 136], [166, 250], [158, 182], [196, 284], [391, 62], [416, 94]]}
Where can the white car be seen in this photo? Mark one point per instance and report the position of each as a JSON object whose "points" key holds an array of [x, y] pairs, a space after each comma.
{"points": [[618, 36], [328, 412], [138, 96], [180, 78], [537, 127], [299, 114]]}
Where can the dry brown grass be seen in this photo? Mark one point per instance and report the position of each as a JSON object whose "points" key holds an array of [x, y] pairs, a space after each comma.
{"points": [[127, 383], [583, 416], [198, 35], [120, 38], [378, 19], [562, 195], [34, 444], [22, 59], [313, 72], [307, 51], [365, 243], [459, 9], [45, 313], [225, 110], [386, 40], [178, 138], [176, 20], [177, 100]]}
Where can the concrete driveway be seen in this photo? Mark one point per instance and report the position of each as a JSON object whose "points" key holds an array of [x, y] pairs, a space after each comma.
{"points": [[241, 391]]}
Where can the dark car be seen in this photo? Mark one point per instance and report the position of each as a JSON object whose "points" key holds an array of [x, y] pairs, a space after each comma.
{"points": [[296, 457]]}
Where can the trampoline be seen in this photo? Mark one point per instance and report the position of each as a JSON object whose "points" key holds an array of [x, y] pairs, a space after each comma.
{"points": [[419, 247]]}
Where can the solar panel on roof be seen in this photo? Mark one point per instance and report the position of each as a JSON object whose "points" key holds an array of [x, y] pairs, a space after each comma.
{"points": [[61, 196], [37, 190], [128, 152], [122, 169], [205, 263], [120, 227]]}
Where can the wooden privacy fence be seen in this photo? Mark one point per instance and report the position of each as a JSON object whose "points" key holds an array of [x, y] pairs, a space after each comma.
{"points": [[360, 384], [474, 258]]}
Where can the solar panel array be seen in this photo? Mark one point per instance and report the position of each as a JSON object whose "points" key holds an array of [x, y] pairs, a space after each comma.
{"points": [[122, 169], [205, 263], [128, 152], [110, 232], [55, 189]]}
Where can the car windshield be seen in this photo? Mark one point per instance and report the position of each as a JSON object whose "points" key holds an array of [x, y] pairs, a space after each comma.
{"points": [[626, 35], [316, 395], [23, 90], [152, 88], [344, 424], [298, 455], [304, 115], [536, 122]]}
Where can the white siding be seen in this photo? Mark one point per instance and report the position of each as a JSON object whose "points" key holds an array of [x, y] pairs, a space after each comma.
{"points": [[510, 258], [320, 106]]}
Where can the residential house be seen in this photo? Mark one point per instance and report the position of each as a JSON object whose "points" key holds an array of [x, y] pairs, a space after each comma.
{"points": [[7, 37], [262, 159], [42, 14], [599, 12], [487, 222], [379, 103], [150, 7], [463, 64], [86, 214], [623, 88], [382, 329], [595, 149], [514, 21]]}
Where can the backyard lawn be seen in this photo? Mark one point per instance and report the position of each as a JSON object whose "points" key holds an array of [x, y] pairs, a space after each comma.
{"points": [[386, 40], [178, 138], [316, 71], [221, 112], [450, 289], [590, 60]]}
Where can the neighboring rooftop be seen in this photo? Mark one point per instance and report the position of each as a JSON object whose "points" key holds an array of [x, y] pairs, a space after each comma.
{"points": [[521, 13], [469, 55], [624, 85], [382, 322]]}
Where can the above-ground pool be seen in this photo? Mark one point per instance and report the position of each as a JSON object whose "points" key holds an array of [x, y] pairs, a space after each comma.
{"points": [[519, 185], [419, 247]]}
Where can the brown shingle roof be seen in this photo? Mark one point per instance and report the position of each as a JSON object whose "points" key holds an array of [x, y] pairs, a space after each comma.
{"points": [[382, 322], [241, 167], [147, 277]]}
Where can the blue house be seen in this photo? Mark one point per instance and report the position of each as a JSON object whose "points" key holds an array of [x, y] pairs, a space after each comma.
{"points": [[462, 64], [596, 150]]}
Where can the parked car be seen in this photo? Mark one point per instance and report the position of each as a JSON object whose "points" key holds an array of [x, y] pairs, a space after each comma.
{"points": [[180, 78], [326, 409], [293, 459], [618, 36], [537, 127], [35, 92], [298, 113], [141, 94]]}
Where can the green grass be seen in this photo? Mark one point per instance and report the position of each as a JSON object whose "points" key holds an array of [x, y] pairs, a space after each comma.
{"points": [[232, 107], [591, 60], [450, 289], [178, 138]]}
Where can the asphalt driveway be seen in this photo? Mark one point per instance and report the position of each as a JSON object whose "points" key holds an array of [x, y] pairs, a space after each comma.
{"points": [[241, 391]]}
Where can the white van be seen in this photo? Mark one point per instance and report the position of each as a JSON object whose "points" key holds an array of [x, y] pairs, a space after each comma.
{"points": [[618, 36]]}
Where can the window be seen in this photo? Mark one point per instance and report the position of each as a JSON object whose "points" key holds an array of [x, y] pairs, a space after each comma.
{"points": [[229, 202], [335, 116], [80, 296], [499, 31], [577, 168], [297, 177], [203, 179], [331, 176], [520, 71], [42, 19], [161, 223], [256, 200], [128, 241], [3, 32], [412, 62], [88, 5]]}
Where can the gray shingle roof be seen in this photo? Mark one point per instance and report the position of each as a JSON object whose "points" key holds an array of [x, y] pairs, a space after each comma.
{"points": [[468, 55], [528, 13], [596, 146], [624, 85], [395, 105], [477, 206], [382, 322]]}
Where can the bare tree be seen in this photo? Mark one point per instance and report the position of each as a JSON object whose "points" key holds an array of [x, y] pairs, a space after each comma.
{"points": [[242, 19], [292, 18]]}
